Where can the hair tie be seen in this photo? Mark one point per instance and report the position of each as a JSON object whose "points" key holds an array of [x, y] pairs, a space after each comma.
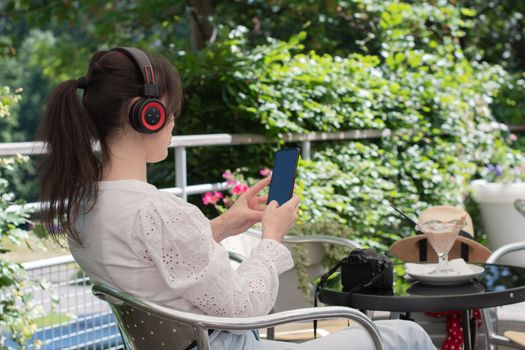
{"points": [[82, 83]]}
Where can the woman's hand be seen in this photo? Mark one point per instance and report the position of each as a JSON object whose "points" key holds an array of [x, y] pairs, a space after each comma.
{"points": [[247, 210], [278, 220]]}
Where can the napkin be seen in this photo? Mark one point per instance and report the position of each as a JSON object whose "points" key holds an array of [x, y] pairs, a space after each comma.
{"points": [[458, 265]]}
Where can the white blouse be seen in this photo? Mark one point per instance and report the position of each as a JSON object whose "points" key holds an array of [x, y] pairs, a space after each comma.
{"points": [[154, 245]]}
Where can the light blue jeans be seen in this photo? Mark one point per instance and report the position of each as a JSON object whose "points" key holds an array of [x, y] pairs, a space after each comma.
{"points": [[396, 334]]}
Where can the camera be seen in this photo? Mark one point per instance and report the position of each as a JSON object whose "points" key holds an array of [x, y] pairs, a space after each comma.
{"points": [[366, 269]]}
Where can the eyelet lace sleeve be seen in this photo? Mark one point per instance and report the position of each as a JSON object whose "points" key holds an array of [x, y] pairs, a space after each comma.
{"points": [[177, 239]]}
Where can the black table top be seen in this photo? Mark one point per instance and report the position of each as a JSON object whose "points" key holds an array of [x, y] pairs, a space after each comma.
{"points": [[497, 285]]}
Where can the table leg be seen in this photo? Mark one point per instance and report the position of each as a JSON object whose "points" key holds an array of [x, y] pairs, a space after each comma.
{"points": [[465, 321], [473, 330]]}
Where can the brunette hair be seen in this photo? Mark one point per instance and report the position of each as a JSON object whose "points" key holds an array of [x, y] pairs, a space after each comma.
{"points": [[71, 126]]}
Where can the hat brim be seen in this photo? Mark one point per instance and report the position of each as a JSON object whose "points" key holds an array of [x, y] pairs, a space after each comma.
{"points": [[407, 249]]}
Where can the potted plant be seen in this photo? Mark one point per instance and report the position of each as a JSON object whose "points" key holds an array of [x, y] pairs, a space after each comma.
{"points": [[502, 183]]}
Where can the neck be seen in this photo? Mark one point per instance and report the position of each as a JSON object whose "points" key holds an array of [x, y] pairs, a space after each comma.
{"points": [[126, 161]]}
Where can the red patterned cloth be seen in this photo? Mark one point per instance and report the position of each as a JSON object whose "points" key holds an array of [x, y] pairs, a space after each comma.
{"points": [[454, 329]]}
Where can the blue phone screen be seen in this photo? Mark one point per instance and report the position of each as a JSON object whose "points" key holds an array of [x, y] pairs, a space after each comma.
{"points": [[283, 175]]}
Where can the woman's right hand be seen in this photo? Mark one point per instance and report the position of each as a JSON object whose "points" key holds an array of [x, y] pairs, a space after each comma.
{"points": [[277, 220]]}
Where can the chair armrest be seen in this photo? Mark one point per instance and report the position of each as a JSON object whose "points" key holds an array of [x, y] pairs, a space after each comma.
{"points": [[506, 249], [203, 322], [311, 239]]}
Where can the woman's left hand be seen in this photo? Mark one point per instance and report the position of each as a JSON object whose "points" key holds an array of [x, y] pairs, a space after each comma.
{"points": [[245, 212]]}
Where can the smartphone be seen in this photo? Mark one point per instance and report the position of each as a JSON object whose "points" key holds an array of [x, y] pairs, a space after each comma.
{"points": [[283, 175]]}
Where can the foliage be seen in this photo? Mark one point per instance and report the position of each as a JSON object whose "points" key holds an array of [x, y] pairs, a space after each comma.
{"points": [[17, 310], [17, 313], [437, 103], [7, 100], [506, 166], [414, 68], [509, 104], [417, 36], [497, 32]]}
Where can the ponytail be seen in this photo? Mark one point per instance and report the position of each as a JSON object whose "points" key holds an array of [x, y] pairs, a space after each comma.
{"points": [[70, 170]]}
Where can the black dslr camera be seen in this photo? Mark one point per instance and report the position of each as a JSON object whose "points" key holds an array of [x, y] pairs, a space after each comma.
{"points": [[366, 269]]}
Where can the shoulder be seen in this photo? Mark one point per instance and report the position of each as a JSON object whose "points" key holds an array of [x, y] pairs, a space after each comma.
{"points": [[138, 194], [132, 197], [168, 203], [167, 208]]}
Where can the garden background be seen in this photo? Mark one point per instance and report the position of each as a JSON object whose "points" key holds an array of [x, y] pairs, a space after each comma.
{"points": [[445, 77]]}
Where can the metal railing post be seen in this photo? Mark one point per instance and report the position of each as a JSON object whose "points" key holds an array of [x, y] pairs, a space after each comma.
{"points": [[180, 170], [306, 150]]}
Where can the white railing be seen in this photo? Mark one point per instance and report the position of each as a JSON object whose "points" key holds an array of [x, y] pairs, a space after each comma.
{"points": [[73, 317], [181, 143]]}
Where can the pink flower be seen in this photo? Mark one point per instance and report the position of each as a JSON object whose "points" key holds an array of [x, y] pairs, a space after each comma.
{"points": [[207, 198], [239, 188], [231, 181], [265, 172], [211, 197], [513, 137]]}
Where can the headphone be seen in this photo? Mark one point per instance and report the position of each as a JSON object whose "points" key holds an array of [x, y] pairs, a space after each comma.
{"points": [[148, 114]]}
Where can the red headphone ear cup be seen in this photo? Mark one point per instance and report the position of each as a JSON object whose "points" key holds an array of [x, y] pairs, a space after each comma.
{"points": [[148, 115]]}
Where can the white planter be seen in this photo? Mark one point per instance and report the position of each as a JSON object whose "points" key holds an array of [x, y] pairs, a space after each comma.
{"points": [[502, 223]]}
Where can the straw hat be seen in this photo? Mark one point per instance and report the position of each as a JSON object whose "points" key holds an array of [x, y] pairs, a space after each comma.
{"points": [[407, 249]]}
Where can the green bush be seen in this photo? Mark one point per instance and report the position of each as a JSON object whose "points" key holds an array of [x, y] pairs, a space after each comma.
{"points": [[436, 102], [17, 312]]}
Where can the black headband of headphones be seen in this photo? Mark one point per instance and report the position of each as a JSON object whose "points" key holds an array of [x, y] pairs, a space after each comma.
{"points": [[141, 60]]}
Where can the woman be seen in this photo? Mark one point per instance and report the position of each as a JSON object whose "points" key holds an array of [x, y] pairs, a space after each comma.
{"points": [[124, 232]]}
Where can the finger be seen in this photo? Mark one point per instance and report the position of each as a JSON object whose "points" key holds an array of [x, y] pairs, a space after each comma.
{"points": [[262, 199], [296, 200], [273, 204], [261, 207], [292, 202], [260, 185]]}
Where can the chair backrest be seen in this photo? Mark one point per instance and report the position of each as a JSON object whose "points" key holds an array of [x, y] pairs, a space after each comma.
{"points": [[141, 328], [291, 295]]}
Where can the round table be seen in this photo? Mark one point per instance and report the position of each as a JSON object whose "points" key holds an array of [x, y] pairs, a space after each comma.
{"points": [[497, 285]]}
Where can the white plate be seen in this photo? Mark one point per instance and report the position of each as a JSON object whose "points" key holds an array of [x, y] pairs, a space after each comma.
{"points": [[447, 279]]}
